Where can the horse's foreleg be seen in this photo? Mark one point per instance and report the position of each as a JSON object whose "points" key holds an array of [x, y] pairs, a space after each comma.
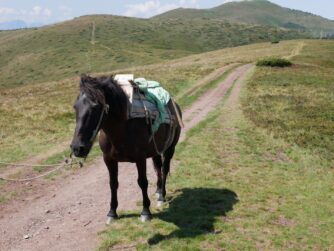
{"points": [[157, 162], [143, 183], [113, 182]]}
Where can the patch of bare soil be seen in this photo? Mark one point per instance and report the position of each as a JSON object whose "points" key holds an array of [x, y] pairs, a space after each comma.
{"points": [[68, 213]]}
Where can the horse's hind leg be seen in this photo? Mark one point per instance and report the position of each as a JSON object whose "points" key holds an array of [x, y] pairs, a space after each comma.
{"points": [[157, 162], [143, 183], [113, 182]]}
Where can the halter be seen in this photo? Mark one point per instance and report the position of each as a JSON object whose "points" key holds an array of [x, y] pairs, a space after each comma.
{"points": [[95, 132]]}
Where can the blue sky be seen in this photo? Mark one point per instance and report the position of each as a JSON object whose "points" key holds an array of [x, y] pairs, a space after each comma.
{"points": [[46, 11]]}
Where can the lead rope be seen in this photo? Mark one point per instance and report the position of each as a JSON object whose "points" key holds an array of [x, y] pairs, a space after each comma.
{"points": [[67, 162], [57, 166]]}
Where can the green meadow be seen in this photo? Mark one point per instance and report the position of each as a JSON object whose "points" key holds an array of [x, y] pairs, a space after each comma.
{"points": [[245, 180]]}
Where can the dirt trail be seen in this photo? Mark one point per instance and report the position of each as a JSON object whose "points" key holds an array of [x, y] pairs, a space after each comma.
{"points": [[296, 51], [67, 215]]}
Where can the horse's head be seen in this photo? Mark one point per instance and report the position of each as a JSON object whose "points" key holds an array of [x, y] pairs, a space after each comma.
{"points": [[90, 108]]}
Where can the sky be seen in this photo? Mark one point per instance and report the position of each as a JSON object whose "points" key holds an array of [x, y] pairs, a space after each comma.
{"points": [[46, 11]]}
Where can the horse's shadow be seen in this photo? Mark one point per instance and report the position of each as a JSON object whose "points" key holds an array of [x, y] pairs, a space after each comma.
{"points": [[194, 211]]}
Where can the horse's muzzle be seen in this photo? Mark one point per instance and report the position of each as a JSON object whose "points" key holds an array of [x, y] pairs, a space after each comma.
{"points": [[80, 151]]}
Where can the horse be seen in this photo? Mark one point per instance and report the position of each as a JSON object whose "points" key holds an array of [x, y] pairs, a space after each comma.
{"points": [[102, 106]]}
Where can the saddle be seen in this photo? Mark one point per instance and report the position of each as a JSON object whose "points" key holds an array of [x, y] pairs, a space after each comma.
{"points": [[142, 106]]}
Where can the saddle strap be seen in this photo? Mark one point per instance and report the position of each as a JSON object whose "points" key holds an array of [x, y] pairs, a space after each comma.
{"points": [[136, 89], [168, 142]]}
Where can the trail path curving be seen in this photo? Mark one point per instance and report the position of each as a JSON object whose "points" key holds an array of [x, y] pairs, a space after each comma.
{"points": [[67, 215], [296, 51]]}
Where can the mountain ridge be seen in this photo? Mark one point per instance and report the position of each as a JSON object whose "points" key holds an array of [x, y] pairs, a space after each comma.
{"points": [[13, 25], [260, 12]]}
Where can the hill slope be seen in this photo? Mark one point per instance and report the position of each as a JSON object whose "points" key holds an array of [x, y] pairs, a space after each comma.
{"points": [[37, 117], [104, 43], [259, 12]]}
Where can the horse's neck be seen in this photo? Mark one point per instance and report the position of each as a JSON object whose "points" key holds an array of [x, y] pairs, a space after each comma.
{"points": [[114, 128], [115, 124]]}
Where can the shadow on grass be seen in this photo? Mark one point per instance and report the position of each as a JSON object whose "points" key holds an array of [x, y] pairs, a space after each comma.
{"points": [[194, 211]]}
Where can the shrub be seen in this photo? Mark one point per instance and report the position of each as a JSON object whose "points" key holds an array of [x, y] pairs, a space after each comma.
{"points": [[274, 62]]}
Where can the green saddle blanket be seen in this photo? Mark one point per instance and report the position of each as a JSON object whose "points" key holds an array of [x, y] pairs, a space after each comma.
{"points": [[154, 93]]}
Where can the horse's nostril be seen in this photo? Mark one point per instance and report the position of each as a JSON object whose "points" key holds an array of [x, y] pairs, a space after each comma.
{"points": [[81, 149], [78, 150]]}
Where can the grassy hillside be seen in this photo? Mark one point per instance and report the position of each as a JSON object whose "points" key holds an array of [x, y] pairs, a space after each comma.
{"points": [[38, 117], [297, 103], [104, 43], [238, 185], [259, 12], [257, 173]]}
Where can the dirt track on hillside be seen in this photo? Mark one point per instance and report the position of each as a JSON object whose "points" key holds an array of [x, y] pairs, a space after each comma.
{"points": [[67, 215]]}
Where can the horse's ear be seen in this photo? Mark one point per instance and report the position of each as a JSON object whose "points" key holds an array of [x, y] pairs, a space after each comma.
{"points": [[110, 78], [106, 80]]}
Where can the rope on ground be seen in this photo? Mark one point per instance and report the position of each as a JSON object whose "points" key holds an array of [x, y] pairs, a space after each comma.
{"points": [[26, 165], [57, 167]]}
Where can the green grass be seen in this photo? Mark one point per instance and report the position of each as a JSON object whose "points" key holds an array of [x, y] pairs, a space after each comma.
{"points": [[67, 49], [36, 118], [297, 103], [192, 95], [236, 188]]}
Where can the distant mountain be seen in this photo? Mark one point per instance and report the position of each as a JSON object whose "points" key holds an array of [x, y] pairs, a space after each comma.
{"points": [[35, 25], [19, 24], [13, 25], [260, 12]]}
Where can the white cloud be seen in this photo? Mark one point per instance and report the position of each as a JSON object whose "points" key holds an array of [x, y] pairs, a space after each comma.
{"points": [[36, 10], [65, 13], [6, 11], [155, 7], [36, 14], [47, 12], [65, 9]]}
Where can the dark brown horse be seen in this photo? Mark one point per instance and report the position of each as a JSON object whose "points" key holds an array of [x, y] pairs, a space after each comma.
{"points": [[102, 106]]}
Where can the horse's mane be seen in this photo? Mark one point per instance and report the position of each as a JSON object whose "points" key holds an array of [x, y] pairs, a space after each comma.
{"points": [[105, 90]]}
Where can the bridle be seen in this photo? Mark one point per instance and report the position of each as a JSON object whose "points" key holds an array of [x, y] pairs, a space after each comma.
{"points": [[105, 111]]}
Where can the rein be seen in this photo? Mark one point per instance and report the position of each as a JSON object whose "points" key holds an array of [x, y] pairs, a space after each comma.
{"points": [[95, 132]]}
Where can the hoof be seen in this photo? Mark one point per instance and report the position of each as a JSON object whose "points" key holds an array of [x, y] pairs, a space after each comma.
{"points": [[111, 220], [160, 203], [145, 218]]}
